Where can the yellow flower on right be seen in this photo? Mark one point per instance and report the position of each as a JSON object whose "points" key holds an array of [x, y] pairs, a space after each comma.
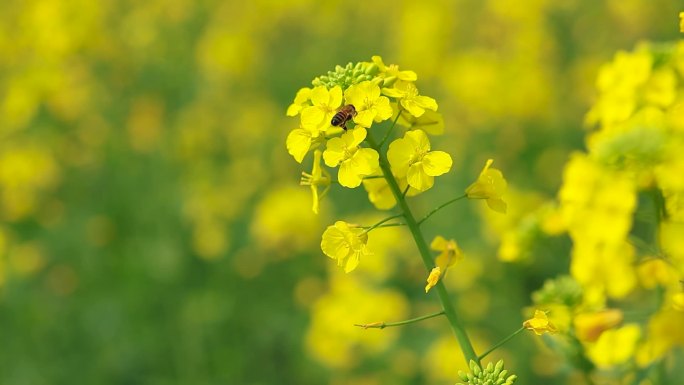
{"points": [[490, 185], [540, 324]]}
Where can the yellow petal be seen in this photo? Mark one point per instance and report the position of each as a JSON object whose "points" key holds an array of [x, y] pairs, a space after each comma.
{"points": [[439, 243], [347, 176], [497, 204], [436, 163], [399, 155], [298, 143], [418, 179], [365, 161], [426, 102], [433, 278], [334, 152]]}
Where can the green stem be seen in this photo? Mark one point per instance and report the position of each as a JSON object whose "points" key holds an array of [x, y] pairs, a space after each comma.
{"points": [[493, 348], [443, 205], [449, 311], [368, 230], [394, 123], [382, 325], [386, 225]]}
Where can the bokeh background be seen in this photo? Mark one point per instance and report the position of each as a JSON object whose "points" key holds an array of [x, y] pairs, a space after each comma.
{"points": [[152, 229]]}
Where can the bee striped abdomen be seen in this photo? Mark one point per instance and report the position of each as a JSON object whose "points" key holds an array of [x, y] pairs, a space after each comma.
{"points": [[345, 114]]}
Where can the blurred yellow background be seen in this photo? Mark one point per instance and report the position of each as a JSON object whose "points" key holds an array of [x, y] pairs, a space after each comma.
{"points": [[152, 227]]}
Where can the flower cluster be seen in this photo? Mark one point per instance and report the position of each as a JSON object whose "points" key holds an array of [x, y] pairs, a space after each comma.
{"points": [[490, 375], [377, 91], [632, 170]]}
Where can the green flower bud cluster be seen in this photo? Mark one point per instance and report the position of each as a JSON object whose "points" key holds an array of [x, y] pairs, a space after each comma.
{"points": [[491, 375], [564, 290], [347, 76]]}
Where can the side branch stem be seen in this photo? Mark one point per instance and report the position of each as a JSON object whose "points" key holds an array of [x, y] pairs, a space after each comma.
{"points": [[382, 325], [368, 230], [443, 205], [493, 348], [447, 306]]}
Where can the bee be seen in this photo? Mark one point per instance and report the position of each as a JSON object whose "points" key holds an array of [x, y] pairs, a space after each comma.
{"points": [[343, 115]]}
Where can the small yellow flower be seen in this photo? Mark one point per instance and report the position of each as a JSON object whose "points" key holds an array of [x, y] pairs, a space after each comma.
{"points": [[324, 106], [490, 185], [391, 72], [301, 100], [540, 324], [346, 244], [299, 142], [433, 278], [318, 178], [354, 162], [380, 194], [411, 157], [407, 94], [370, 106], [590, 326], [449, 252], [431, 122], [615, 347]]}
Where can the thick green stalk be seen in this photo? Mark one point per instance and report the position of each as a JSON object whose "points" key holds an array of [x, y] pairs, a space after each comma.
{"points": [[412, 224]]}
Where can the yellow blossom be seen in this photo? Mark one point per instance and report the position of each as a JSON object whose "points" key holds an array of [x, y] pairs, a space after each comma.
{"points": [[301, 100], [407, 94], [590, 326], [449, 252], [433, 278], [299, 142], [354, 162], [324, 106], [615, 347], [490, 185], [411, 157], [346, 244], [319, 177], [681, 22], [391, 72], [431, 122], [540, 324], [370, 105], [380, 194]]}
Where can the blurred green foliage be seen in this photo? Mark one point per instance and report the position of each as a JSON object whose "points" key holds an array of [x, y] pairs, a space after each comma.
{"points": [[152, 228]]}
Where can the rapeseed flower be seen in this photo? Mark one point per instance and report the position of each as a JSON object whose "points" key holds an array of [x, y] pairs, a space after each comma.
{"points": [[449, 254], [391, 72], [354, 162], [301, 100], [590, 326], [431, 122], [540, 324], [324, 106], [299, 142], [345, 243], [410, 157], [490, 185], [615, 347], [318, 178], [370, 105], [380, 194], [407, 95]]}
